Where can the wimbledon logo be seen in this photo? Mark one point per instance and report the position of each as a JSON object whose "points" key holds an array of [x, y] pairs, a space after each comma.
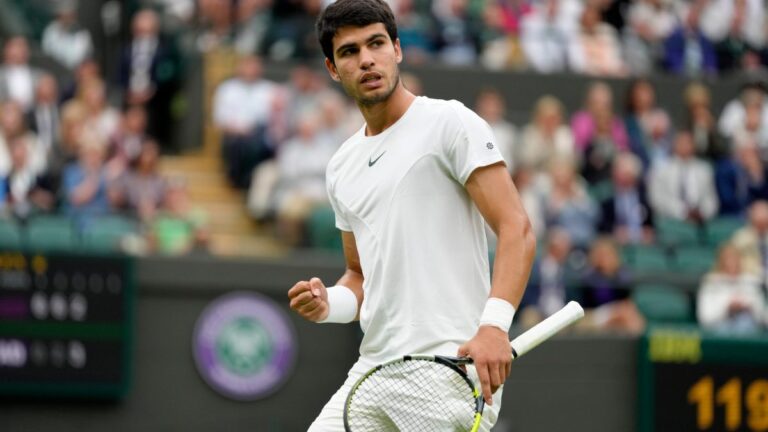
{"points": [[244, 346]]}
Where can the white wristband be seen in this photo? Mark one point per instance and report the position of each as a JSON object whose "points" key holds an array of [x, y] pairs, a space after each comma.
{"points": [[497, 313], [342, 305]]}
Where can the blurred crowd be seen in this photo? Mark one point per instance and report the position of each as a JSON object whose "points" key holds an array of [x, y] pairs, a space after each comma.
{"points": [[85, 146], [593, 37], [594, 182]]}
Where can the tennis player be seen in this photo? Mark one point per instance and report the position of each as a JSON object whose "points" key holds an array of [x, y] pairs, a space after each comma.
{"points": [[411, 191]]}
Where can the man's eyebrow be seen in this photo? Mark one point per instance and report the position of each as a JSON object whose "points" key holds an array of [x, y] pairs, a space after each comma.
{"points": [[353, 44]]}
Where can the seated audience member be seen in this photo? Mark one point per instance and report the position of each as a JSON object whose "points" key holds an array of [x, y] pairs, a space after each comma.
{"points": [[546, 292], [26, 192], [546, 137], [241, 110], [741, 180], [414, 29], [101, 118], [490, 105], [544, 37], [12, 126], [458, 33], [598, 109], [648, 126], [595, 50], [605, 291], [568, 205], [702, 124], [649, 23], [731, 300], [84, 183], [141, 190], [736, 26], [734, 114], [178, 228], [687, 51], [752, 130], [300, 187], [751, 241], [683, 187], [627, 214], [126, 143], [64, 39], [17, 77], [43, 120]]}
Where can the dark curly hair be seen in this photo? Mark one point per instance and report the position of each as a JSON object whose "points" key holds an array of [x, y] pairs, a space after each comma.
{"points": [[354, 13]]}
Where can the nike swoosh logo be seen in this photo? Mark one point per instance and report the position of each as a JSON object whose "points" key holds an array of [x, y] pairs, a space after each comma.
{"points": [[372, 162]]}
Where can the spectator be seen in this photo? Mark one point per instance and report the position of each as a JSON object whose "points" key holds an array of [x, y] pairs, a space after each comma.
{"points": [[683, 187], [544, 37], [752, 131], [595, 49], [752, 241], [141, 190], [650, 22], [458, 33], [149, 73], [414, 29], [687, 51], [627, 214], [648, 126], [734, 114], [241, 110], [546, 292], [599, 133], [87, 71], [490, 105], [545, 138], [568, 205], [501, 38], [598, 106], [741, 180], [736, 26], [291, 31], [84, 183], [300, 186], [17, 77], [101, 118], [731, 300], [13, 126], [701, 122], [64, 39], [25, 191], [178, 228], [43, 120], [126, 143], [605, 290]]}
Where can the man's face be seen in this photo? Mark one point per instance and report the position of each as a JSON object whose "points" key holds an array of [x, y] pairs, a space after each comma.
{"points": [[366, 62]]}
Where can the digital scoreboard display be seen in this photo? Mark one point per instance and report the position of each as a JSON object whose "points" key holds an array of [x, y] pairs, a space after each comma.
{"points": [[690, 381], [65, 324]]}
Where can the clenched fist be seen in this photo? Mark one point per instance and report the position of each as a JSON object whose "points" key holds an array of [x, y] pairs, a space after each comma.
{"points": [[310, 299]]}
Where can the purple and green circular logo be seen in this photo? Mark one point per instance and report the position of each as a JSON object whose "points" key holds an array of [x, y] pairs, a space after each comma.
{"points": [[244, 346]]}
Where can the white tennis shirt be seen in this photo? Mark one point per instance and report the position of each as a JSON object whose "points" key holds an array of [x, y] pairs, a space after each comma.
{"points": [[420, 238]]}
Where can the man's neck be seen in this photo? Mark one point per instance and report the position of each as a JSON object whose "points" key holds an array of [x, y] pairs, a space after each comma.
{"points": [[382, 115]]}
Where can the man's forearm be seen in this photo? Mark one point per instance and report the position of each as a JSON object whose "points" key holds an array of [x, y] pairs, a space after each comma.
{"points": [[515, 252]]}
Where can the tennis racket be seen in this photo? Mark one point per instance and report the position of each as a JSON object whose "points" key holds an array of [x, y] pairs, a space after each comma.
{"points": [[433, 393]]}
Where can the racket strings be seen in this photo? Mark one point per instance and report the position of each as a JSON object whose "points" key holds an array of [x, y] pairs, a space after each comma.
{"points": [[412, 396]]}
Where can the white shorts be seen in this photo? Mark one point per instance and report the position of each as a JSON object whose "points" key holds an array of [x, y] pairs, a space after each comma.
{"points": [[331, 418]]}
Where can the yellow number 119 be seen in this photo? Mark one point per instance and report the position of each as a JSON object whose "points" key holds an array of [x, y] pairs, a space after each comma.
{"points": [[703, 395]]}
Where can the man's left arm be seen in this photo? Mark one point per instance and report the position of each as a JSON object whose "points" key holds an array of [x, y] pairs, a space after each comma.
{"points": [[494, 194]]}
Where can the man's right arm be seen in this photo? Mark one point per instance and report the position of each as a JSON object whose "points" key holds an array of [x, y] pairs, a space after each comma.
{"points": [[310, 298]]}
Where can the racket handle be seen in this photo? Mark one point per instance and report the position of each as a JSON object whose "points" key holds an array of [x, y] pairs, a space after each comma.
{"points": [[542, 331]]}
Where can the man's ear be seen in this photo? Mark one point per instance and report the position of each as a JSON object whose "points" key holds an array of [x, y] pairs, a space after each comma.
{"points": [[398, 51], [332, 70]]}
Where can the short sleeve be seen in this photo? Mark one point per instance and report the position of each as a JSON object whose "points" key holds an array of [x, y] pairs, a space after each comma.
{"points": [[473, 145], [340, 217]]}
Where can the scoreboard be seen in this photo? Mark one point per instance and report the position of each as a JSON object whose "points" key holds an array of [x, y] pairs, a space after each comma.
{"points": [[65, 324], [694, 381]]}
